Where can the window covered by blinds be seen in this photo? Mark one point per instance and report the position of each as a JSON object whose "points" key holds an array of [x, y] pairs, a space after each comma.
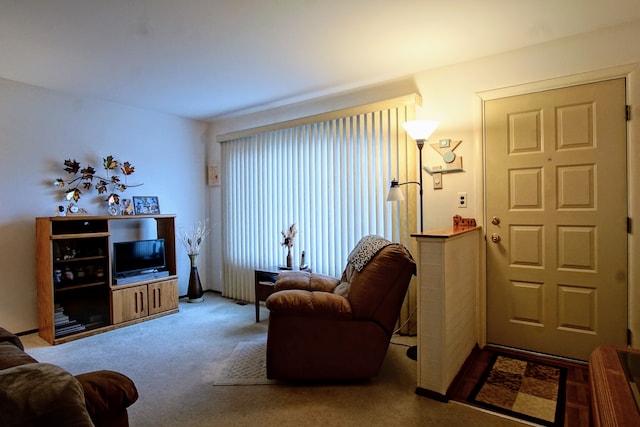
{"points": [[329, 176]]}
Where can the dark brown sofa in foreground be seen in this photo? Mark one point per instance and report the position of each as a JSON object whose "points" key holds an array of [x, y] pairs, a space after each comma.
{"points": [[324, 328], [42, 394]]}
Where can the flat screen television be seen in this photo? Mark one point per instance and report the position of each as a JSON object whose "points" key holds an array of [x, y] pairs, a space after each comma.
{"points": [[138, 256]]}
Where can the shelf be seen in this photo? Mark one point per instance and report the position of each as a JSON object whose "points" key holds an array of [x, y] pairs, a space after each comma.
{"points": [[70, 236], [106, 217], [85, 328], [79, 259], [79, 286], [86, 298]]}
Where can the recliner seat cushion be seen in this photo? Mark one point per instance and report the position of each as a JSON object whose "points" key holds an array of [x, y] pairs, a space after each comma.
{"points": [[306, 281]]}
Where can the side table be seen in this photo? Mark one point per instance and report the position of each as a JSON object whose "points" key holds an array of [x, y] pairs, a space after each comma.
{"points": [[265, 280]]}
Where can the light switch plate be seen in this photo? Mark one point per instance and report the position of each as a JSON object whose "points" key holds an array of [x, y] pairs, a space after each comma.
{"points": [[213, 177]]}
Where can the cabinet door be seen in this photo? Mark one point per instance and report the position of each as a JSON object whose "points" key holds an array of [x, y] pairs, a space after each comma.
{"points": [[163, 296], [129, 303]]}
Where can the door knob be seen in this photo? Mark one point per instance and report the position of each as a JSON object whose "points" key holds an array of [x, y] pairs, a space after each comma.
{"points": [[495, 238], [495, 220]]}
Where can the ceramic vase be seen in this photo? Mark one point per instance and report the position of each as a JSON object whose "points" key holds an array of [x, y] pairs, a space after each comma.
{"points": [[289, 258], [194, 292]]}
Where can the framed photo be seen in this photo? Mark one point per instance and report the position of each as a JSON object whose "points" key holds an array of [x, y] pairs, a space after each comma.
{"points": [[126, 207], [146, 205]]}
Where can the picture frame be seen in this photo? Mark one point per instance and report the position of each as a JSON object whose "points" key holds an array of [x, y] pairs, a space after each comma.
{"points": [[146, 205], [126, 207]]}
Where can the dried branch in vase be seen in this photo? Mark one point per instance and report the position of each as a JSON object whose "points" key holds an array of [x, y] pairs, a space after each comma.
{"points": [[289, 236], [193, 238]]}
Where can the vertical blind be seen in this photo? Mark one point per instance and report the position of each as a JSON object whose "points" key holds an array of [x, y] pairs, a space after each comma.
{"points": [[329, 177]]}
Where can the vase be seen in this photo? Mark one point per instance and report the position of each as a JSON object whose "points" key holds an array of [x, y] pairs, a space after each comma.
{"points": [[113, 208], [194, 292], [289, 258]]}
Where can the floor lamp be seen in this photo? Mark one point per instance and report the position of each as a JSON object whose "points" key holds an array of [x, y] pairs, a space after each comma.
{"points": [[420, 131]]}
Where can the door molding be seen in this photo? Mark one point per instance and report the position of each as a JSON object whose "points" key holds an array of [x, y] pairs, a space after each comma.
{"points": [[632, 74]]}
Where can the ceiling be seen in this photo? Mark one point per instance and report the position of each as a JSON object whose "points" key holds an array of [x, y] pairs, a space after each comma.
{"points": [[210, 59]]}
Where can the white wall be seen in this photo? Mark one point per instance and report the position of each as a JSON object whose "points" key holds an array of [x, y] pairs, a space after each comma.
{"points": [[451, 96], [39, 129]]}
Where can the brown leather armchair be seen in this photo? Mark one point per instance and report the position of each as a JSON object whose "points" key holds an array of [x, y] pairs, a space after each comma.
{"points": [[42, 394], [323, 328]]}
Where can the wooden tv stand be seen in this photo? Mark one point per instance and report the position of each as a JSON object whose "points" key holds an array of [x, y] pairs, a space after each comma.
{"points": [[77, 295]]}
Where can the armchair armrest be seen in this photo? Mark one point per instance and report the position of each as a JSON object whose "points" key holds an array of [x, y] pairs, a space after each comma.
{"points": [[298, 302], [305, 281], [6, 336], [107, 393]]}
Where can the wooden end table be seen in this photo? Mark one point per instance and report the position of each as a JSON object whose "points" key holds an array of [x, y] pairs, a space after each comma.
{"points": [[265, 280]]}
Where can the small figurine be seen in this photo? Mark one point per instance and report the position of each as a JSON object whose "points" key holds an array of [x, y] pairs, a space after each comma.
{"points": [[302, 264], [460, 223]]}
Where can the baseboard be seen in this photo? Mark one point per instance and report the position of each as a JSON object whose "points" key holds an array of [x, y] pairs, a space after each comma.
{"points": [[205, 291], [431, 394], [530, 353]]}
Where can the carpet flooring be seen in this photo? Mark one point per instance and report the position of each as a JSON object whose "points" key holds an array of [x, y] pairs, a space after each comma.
{"points": [[174, 360], [573, 400]]}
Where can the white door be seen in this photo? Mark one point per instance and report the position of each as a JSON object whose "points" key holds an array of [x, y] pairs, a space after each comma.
{"points": [[556, 201]]}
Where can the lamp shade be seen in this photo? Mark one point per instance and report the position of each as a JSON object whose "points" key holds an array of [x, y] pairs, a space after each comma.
{"points": [[394, 194], [420, 130]]}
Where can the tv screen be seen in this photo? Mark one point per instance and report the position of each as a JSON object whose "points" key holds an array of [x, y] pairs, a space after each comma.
{"points": [[138, 256]]}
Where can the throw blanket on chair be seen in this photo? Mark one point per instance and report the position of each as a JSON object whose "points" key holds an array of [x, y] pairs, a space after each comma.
{"points": [[366, 249]]}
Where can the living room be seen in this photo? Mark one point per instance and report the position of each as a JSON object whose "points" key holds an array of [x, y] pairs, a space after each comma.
{"points": [[44, 126]]}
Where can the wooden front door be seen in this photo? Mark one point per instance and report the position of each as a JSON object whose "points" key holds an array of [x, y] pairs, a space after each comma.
{"points": [[556, 200]]}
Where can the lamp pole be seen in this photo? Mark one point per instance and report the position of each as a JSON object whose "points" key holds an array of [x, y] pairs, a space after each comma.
{"points": [[420, 144]]}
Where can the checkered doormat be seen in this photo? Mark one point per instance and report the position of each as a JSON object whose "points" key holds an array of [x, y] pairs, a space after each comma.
{"points": [[522, 389]]}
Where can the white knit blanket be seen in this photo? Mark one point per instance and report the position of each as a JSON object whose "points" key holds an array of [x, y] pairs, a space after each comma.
{"points": [[366, 249]]}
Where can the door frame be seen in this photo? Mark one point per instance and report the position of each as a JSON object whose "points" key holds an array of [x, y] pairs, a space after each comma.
{"points": [[631, 73]]}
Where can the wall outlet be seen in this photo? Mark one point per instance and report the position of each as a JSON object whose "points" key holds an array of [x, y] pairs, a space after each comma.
{"points": [[462, 200]]}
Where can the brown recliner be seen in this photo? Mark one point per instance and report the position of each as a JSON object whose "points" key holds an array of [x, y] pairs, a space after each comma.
{"points": [[41, 394], [323, 328]]}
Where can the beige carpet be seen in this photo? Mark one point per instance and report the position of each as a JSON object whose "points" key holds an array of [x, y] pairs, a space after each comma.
{"points": [[174, 362], [246, 366]]}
